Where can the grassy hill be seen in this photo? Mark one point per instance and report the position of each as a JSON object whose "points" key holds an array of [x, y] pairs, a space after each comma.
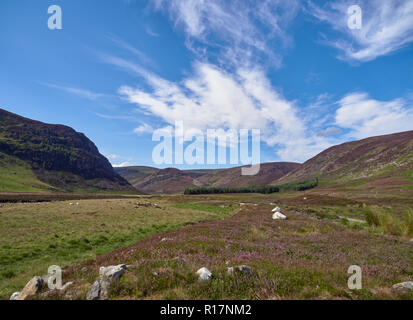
{"points": [[379, 161], [35, 156]]}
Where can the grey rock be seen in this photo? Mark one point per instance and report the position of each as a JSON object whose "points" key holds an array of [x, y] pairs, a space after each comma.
{"points": [[113, 273], [94, 292], [403, 286], [242, 269], [14, 296], [179, 259], [107, 276]]}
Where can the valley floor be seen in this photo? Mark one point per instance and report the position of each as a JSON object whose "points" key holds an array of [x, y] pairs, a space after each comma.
{"points": [[306, 256]]}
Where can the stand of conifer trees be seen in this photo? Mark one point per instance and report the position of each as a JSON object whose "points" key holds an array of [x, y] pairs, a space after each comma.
{"points": [[265, 189]]}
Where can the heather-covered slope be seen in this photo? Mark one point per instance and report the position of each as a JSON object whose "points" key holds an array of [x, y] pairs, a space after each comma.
{"points": [[364, 160], [57, 156]]}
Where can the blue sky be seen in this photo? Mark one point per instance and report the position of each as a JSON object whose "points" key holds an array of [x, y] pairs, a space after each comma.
{"points": [[120, 69]]}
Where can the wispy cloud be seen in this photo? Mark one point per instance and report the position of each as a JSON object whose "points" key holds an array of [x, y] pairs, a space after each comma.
{"points": [[386, 27], [151, 32], [83, 93], [143, 128], [142, 57], [241, 30], [367, 117]]}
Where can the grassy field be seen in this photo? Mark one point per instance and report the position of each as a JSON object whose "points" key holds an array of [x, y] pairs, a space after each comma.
{"points": [[37, 235], [303, 257]]}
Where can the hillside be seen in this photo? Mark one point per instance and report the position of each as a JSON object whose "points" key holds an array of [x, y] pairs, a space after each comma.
{"points": [[171, 180], [36, 156], [381, 157]]}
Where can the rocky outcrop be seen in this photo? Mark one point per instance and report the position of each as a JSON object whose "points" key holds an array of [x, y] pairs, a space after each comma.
{"points": [[107, 276]]}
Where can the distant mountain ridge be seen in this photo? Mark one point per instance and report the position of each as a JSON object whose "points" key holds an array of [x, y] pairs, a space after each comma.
{"points": [[172, 180], [59, 156]]}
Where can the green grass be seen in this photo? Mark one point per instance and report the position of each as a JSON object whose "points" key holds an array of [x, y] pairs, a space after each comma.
{"points": [[221, 210], [35, 236], [17, 176]]}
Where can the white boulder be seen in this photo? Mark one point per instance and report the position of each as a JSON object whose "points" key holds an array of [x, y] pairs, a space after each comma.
{"points": [[204, 274], [278, 215], [276, 209]]}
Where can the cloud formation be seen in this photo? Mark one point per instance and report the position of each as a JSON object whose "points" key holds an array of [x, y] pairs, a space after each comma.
{"points": [[387, 26], [366, 117], [240, 30], [215, 99]]}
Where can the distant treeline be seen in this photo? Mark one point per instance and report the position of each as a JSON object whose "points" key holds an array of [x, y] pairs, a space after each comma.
{"points": [[265, 189]]}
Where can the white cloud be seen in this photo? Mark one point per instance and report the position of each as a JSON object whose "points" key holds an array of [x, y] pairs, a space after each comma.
{"points": [[87, 94], [142, 57], [215, 99], [367, 117], [123, 164], [143, 128], [386, 27], [112, 156], [241, 30]]}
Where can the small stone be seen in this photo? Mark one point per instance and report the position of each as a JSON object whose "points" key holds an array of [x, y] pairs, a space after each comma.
{"points": [[84, 269], [276, 209], [403, 286], [204, 274], [242, 269], [14, 296], [181, 260], [166, 239]]}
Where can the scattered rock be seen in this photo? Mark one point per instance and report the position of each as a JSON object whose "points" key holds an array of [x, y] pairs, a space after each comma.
{"points": [[278, 215], [304, 198], [403, 286], [70, 204], [166, 239], [94, 292], [107, 276], [276, 209], [179, 259], [411, 240], [147, 204], [32, 287], [84, 269], [243, 269], [14, 296], [113, 273], [204, 274]]}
